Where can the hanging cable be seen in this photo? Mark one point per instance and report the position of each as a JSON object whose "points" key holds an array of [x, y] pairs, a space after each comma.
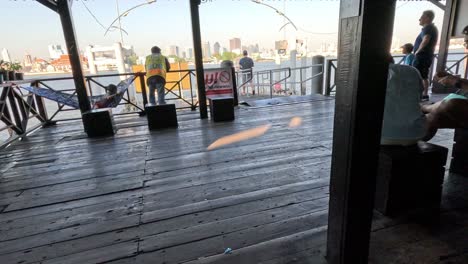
{"points": [[91, 13], [277, 11], [97, 20]]}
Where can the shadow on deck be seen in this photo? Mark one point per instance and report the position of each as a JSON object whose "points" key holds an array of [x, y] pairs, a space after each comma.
{"points": [[161, 197]]}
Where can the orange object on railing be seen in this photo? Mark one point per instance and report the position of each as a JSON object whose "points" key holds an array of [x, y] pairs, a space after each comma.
{"points": [[171, 77]]}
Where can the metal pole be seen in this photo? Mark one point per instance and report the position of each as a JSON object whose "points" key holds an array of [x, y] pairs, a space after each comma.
{"points": [[197, 50], [317, 82], [271, 84], [141, 76], [120, 24], [328, 79], [64, 11]]}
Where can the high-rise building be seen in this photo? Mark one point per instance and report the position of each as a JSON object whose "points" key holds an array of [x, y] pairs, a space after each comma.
{"points": [[55, 51], [184, 54], [206, 50], [190, 53], [6, 55], [216, 48], [234, 44], [174, 50]]}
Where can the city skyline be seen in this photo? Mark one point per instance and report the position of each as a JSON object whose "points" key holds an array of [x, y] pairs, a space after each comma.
{"points": [[220, 21]]}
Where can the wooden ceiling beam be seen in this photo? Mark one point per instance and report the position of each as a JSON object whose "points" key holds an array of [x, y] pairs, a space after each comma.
{"points": [[49, 3]]}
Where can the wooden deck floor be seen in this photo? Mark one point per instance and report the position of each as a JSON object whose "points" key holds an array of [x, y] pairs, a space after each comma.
{"points": [[161, 197]]}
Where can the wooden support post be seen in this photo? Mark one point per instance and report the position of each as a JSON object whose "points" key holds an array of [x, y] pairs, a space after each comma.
{"points": [[197, 50], [360, 95], [64, 10], [446, 32]]}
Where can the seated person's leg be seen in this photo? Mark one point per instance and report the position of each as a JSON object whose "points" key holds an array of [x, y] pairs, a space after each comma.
{"points": [[448, 114], [429, 108], [456, 111]]}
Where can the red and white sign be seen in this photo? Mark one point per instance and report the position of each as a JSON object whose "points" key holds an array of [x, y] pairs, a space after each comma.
{"points": [[218, 83]]}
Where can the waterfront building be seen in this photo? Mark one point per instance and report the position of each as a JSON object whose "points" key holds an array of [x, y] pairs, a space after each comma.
{"points": [[6, 55], [234, 44], [55, 51], [216, 48]]}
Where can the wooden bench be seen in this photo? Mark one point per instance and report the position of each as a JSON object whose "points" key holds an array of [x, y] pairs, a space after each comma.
{"points": [[459, 161], [409, 177], [99, 122], [222, 109]]}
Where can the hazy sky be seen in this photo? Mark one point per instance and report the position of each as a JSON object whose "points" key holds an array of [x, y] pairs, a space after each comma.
{"points": [[31, 27]]}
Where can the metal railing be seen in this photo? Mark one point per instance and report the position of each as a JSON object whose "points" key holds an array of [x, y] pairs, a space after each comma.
{"points": [[278, 82], [20, 112], [453, 66]]}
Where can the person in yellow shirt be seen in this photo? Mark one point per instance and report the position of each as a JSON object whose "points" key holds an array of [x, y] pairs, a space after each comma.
{"points": [[156, 66]]}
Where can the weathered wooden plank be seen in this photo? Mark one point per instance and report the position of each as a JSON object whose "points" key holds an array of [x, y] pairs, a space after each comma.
{"points": [[68, 233], [96, 241], [69, 247], [98, 255], [197, 232], [24, 227], [74, 176], [303, 247], [314, 167], [113, 187], [218, 190], [207, 205], [217, 245]]}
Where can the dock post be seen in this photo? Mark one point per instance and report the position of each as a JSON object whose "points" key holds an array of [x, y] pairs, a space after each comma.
{"points": [[64, 10], [197, 50], [359, 106]]}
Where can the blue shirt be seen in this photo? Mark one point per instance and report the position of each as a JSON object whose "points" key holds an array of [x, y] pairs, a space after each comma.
{"points": [[429, 49], [246, 63], [408, 59]]}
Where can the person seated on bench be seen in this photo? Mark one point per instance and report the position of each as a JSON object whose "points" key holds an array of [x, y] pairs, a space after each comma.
{"points": [[404, 123], [111, 92], [450, 112]]}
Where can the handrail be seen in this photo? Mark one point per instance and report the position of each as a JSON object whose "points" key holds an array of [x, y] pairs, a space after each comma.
{"points": [[266, 78], [174, 88], [18, 110]]}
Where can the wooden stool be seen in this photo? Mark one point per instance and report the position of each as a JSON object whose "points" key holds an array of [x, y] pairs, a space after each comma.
{"points": [[99, 122], [409, 177], [222, 109], [161, 116], [459, 162]]}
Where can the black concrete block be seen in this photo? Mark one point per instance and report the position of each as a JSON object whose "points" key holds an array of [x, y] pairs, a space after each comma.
{"points": [[161, 116], [222, 109], [99, 122], [459, 162], [409, 177]]}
